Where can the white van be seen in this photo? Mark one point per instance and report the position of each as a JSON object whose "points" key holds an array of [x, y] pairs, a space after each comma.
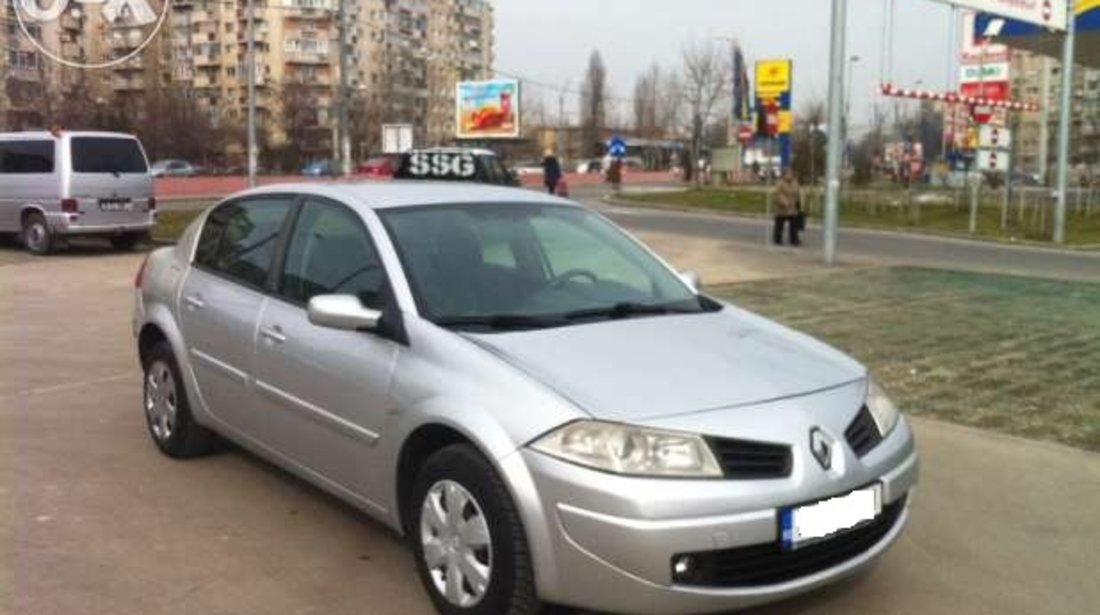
{"points": [[61, 184]]}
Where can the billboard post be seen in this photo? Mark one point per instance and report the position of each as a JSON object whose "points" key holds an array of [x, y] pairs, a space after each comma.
{"points": [[487, 109]]}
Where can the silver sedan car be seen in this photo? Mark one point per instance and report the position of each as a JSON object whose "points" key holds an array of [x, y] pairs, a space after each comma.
{"points": [[541, 405]]}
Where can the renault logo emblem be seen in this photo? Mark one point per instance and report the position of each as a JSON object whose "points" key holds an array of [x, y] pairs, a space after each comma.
{"points": [[821, 446]]}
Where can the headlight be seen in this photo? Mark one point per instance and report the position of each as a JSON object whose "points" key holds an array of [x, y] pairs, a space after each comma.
{"points": [[882, 409], [626, 449]]}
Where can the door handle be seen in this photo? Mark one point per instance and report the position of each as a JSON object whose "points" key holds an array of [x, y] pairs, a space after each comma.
{"points": [[275, 334], [194, 302]]}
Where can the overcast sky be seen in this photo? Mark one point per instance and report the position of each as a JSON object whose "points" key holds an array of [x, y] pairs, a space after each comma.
{"points": [[549, 40]]}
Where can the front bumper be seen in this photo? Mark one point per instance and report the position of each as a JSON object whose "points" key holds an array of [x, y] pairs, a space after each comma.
{"points": [[612, 539]]}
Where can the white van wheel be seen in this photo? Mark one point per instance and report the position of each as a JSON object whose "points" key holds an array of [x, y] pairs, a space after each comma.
{"points": [[36, 235]]}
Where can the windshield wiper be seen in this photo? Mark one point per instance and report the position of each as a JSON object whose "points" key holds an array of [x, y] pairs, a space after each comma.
{"points": [[626, 309], [501, 321]]}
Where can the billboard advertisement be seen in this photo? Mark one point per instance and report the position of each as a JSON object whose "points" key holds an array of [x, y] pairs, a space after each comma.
{"points": [[773, 77], [1046, 13], [487, 109]]}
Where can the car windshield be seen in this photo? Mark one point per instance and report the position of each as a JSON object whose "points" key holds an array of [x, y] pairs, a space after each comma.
{"points": [[508, 266]]}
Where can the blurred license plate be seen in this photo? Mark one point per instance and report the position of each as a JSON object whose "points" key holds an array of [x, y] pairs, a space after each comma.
{"points": [[115, 205], [802, 525]]}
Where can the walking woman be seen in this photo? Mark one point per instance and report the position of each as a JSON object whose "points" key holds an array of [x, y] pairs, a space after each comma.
{"points": [[787, 210]]}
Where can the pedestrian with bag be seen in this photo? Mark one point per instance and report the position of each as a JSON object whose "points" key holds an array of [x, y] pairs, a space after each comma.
{"points": [[551, 172], [788, 210]]}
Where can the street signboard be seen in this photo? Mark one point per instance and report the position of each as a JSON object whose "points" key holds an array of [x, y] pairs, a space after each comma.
{"points": [[975, 73], [487, 109], [773, 78], [990, 90], [744, 134], [1046, 13], [994, 137], [982, 113], [616, 147], [397, 138], [992, 160]]}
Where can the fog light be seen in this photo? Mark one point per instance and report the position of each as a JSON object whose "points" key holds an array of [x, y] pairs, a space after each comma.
{"points": [[682, 566]]}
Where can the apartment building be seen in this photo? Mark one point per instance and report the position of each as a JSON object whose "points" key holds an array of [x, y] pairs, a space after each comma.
{"points": [[1027, 78], [406, 57]]}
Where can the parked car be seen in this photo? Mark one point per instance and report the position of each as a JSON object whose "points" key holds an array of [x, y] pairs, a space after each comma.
{"points": [[527, 168], [320, 168], [380, 166], [592, 165], [461, 164], [544, 408], [56, 185], [173, 168]]}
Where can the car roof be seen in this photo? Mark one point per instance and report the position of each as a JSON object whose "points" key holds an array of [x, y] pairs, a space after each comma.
{"points": [[477, 151], [411, 193], [44, 134]]}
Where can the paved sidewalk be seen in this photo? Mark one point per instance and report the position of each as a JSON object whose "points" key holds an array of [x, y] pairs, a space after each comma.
{"points": [[94, 521]]}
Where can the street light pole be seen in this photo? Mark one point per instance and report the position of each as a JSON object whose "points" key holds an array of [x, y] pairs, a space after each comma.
{"points": [[1063, 126], [835, 148], [342, 98], [250, 61]]}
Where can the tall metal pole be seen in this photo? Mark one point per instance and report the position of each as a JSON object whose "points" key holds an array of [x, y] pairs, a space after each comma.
{"points": [[1044, 122], [1063, 126], [342, 98], [836, 143], [250, 52]]}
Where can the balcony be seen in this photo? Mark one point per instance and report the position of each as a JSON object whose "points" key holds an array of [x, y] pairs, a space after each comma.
{"points": [[128, 84], [205, 80], [133, 64], [309, 58], [207, 60]]}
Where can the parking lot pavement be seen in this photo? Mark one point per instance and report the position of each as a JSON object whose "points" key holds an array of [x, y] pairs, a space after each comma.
{"points": [[94, 521]]}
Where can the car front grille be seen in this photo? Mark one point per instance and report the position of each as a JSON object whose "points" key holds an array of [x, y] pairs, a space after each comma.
{"points": [[770, 563], [745, 459], [862, 434]]}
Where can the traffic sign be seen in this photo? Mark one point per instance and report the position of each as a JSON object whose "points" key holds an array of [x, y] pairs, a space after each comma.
{"points": [[993, 160], [994, 137], [744, 135], [982, 113], [616, 147]]}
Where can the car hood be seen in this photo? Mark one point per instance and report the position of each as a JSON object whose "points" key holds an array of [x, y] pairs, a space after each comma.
{"points": [[652, 367]]}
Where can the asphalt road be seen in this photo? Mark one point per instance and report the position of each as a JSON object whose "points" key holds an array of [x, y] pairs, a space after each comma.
{"points": [[93, 520], [860, 246]]}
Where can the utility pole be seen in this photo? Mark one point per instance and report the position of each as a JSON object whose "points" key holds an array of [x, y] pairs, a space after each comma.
{"points": [[1063, 126], [342, 98], [1044, 122], [250, 52], [836, 144]]}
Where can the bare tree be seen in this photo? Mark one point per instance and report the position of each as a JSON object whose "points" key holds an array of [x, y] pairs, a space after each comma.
{"points": [[647, 103], [809, 143], [594, 95], [706, 81]]}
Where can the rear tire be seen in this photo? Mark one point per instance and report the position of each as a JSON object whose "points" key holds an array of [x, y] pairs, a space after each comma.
{"points": [[463, 516], [37, 237], [167, 412], [126, 241]]}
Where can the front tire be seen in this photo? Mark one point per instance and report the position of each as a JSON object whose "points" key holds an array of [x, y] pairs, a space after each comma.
{"points": [[167, 412], [36, 235], [470, 547]]}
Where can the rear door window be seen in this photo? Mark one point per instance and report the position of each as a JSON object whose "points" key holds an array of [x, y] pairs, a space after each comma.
{"points": [[239, 239], [107, 155], [26, 157]]}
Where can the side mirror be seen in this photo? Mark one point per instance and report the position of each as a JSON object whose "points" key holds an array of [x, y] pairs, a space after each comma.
{"points": [[692, 279], [342, 312]]}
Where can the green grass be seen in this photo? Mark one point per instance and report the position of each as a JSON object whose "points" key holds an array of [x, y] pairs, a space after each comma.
{"points": [[1016, 355], [868, 210], [172, 223]]}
